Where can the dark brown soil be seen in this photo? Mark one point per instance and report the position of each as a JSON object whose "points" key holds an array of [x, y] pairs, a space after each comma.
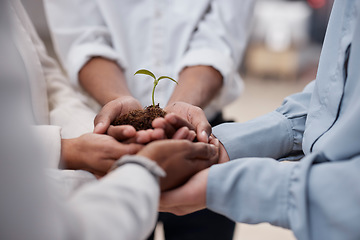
{"points": [[140, 119]]}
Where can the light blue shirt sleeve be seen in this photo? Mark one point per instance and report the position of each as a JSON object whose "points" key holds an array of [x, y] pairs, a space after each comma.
{"points": [[305, 196], [276, 135]]}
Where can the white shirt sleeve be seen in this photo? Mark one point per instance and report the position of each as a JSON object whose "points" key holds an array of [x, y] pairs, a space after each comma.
{"points": [[80, 36], [220, 41]]}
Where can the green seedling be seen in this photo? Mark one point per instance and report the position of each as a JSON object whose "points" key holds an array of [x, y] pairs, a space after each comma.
{"points": [[156, 81]]}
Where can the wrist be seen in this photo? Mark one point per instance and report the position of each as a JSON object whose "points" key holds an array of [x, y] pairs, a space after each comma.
{"points": [[197, 85], [68, 159]]}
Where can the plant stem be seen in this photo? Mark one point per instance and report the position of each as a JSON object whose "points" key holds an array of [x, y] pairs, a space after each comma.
{"points": [[153, 93]]}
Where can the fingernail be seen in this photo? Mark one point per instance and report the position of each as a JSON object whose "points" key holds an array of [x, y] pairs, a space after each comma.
{"points": [[127, 132], [213, 148], [172, 120], [205, 135], [98, 126]]}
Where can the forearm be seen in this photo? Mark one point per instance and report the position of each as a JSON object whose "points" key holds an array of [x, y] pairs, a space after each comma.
{"points": [[104, 80], [198, 85]]}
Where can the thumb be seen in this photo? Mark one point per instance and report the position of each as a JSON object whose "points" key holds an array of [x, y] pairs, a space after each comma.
{"points": [[100, 128]]}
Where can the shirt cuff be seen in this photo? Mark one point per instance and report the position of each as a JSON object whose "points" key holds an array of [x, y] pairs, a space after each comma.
{"points": [[49, 138], [251, 190], [270, 135], [232, 83], [81, 54]]}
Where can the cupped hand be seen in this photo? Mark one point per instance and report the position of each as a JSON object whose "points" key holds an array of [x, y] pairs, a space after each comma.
{"points": [[194, 116], [112, 110], [180, 159], [95, 153]]}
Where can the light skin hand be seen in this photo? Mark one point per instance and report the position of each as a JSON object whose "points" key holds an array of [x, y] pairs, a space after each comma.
{"points": [[180, 159], [95, 153], [188, 198]]}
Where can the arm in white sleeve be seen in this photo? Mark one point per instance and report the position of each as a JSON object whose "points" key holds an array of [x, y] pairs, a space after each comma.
{"points": [[219, 41], [65, 107], [314, 200], [277, 134], [80, 35], [123, 205]]}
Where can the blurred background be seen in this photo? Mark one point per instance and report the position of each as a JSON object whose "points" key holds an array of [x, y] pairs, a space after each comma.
{"points": [[281, 58]]}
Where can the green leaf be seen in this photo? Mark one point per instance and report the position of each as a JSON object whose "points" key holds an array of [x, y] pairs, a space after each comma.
{"points": [[162, 77], [146, 72]]}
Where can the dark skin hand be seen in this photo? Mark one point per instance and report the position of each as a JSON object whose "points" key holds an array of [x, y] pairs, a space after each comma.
{"points": [[181, 159], [95, 153]]}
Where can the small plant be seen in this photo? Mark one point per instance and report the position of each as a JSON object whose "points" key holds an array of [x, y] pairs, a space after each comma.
{"points": [[141, 119], [156, 81]]}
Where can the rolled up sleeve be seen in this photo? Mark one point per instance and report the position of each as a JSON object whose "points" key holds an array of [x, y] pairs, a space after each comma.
{"points": [[81, 36], [219, 41]]}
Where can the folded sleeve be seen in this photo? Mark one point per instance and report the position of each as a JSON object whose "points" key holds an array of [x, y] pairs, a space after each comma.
{"points": [[49, 138], [278, 134], [65, 107], [219, 41], [81, 36], [303, 196]]}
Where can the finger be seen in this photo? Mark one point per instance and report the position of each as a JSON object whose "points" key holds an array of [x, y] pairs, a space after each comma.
{"points": [[102, 167], [165, 125], [177, 121], [203, 131], [201, 124], [126, 149], [121, 133], [214, 141], [158, 134], [182, 133], [143, 137], [202, 151], [192, 135], [107, 115]]}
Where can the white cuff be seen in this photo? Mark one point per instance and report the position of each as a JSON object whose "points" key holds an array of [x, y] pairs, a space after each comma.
{"points": [[49, 138]]}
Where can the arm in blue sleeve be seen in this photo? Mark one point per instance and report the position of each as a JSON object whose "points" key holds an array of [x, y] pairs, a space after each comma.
{"points": [[276, 135], [315, 201]]}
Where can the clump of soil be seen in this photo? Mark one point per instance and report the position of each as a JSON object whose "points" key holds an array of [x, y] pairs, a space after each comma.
{"points": [[140, 119]]}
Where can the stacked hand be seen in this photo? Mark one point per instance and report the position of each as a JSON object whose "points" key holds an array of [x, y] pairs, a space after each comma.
{"points": [[180, 157]]}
